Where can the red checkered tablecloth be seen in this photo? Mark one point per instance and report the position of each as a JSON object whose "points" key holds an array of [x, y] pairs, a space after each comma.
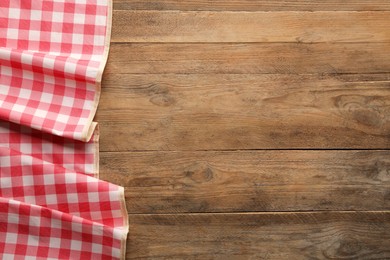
{"points": [[52, 205], [71, 154], [52, 54]]}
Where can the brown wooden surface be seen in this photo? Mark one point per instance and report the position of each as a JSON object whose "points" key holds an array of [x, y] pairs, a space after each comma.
{"points": [[253, 58], [215, 112], [306, 235], [248, 181], [172, 26], [254, 5], [250, 129]]}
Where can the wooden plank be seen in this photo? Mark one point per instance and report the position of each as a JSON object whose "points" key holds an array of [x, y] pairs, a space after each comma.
{"points": [[307, 27], [306, 235], [244, 181], [202, 112], [254, 5], [249, 58]]}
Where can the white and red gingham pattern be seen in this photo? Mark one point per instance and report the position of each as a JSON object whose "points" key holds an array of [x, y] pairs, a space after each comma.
{"points": [[51, 56], [34, 181], [75, 199], [73, 155], [51, 205], [33, 232]]}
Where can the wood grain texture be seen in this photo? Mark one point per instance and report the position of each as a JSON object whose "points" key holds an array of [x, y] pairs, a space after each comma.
{"points": [[254, 5], [255, 58], [244, 181], [306, 235], [303, 27], [207, 105], [203, 112]]}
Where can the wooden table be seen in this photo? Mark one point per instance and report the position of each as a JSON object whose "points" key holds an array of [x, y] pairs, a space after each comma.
{"points": [[250, 129]]}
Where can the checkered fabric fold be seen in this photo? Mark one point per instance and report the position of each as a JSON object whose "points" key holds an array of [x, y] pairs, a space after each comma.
{"points": [[30, 231], [51, 55], [71, 154], [52, 204]]}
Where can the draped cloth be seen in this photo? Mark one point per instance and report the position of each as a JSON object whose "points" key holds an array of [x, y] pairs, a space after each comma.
{"points": [[52, 204]]}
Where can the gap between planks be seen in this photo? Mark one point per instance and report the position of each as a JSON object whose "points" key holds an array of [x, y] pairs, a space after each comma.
{"points": [[248, 150], [261, 212], [253, 5]]}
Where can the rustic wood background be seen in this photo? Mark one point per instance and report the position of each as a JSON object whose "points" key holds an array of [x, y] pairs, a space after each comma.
{"points": [[251, 129]]}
